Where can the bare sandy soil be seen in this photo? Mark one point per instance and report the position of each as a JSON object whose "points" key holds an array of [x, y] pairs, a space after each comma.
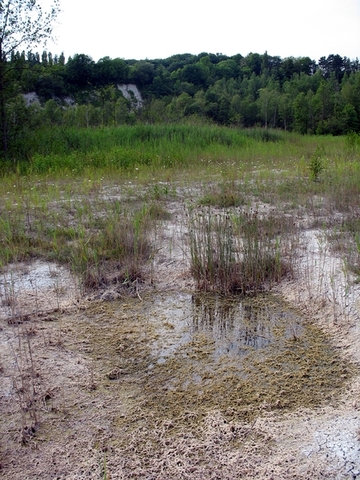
{"points": [[70, 409]]}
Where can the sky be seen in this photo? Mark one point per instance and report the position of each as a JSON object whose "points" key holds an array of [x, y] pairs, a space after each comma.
{"points": [[145, 29]]}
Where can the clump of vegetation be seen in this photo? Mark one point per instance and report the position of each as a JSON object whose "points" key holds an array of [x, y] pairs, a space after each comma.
{"points": [[226, 195], [94, 237], [120, 238], [238, 252]]}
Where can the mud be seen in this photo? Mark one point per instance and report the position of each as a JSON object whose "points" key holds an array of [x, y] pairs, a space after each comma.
{"points": [[172, 384]]}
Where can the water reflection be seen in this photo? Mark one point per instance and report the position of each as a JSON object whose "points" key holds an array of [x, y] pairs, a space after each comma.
{"points": [[232, 325]]}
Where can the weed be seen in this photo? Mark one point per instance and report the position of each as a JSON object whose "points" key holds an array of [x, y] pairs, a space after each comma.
{"points": [[161, 190]]}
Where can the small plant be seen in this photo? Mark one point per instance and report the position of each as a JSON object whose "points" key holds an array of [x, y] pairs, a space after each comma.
{"points": [[160, 190], [316, 165]]}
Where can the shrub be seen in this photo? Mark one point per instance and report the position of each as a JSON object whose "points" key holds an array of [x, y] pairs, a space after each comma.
{"points": [[316, 165]]}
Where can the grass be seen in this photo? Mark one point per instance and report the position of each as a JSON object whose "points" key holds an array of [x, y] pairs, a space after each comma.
{"points": [[242, 252], [227, 194], [85, 231], [57, 204], [74, 151]]}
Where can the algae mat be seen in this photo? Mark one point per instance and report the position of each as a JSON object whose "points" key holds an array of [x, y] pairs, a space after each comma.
{"points": [[191, 354], [177, 385]]}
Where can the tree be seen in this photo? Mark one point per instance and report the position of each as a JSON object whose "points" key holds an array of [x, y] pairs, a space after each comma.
{"points": [[108, 96], [23, 23], [302, 105], [143, 73], [264, 101], [80, 70], [193, 74], [324, 102], [227, 69], [285, 109], [332, 64], [108, 71]]}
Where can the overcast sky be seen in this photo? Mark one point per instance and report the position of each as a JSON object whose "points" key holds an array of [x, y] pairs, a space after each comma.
{"points": [[159, 28]]}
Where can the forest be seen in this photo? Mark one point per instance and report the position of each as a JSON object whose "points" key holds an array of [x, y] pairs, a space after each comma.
{"points": [[258, 90]]}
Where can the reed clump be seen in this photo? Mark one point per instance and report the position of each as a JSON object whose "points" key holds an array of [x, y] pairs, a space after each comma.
{"points": [[239, 252], [226, 195]]}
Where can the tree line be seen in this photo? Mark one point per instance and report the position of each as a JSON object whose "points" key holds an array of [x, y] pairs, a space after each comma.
{"points": [[296, 94]]}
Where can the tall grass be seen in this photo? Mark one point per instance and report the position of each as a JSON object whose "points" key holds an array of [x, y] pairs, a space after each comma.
{"points": [[163, 149], [57, 149], [123, 239], [239, 252]]}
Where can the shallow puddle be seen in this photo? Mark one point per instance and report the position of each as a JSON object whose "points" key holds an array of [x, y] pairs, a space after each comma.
{"points": [[32, 277], [234, 327], [35, 288]]}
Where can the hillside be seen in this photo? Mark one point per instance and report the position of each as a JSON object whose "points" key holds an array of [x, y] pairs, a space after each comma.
{"points": [[294, 94]]}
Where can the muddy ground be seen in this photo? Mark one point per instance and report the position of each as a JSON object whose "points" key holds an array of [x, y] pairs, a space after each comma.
{"points": [[164, 384]]}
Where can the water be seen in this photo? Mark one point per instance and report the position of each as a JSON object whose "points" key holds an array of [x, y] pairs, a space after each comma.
{"points": [[32, 277], [210, 352], [231, 326]]}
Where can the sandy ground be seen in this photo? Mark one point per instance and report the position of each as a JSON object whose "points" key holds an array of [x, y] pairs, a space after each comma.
{"points": [[69, 428]]}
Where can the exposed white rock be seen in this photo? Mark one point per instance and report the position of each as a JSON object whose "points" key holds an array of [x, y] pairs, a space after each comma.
{"points": [[31, 98], [131, 92]]}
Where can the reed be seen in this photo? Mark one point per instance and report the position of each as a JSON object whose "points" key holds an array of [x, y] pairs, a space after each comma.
{"points": [[239, 252]]}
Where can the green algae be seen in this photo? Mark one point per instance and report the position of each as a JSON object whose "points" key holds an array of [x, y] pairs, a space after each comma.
{"points": [[191, 355]]}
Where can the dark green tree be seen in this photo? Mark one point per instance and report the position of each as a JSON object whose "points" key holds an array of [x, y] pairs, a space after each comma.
{"points": [[80, 70], [227, 69], [23, 23], [193, 74], [108, 71], [142, 73]]}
